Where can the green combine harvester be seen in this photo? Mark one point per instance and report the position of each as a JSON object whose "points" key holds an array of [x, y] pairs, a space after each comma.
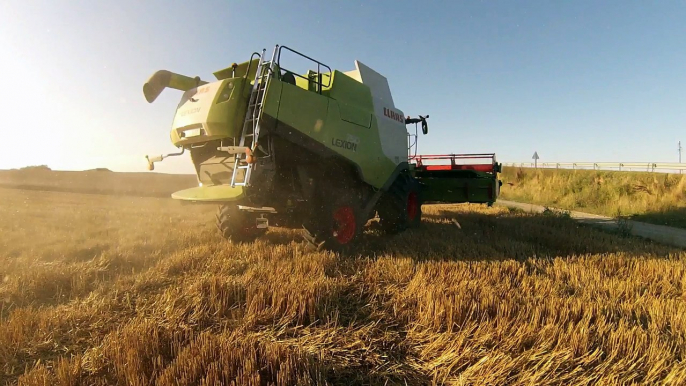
{"points": [[323, 150]]}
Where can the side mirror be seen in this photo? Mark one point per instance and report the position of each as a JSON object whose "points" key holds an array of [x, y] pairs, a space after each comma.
{"points": [[425, 126]]}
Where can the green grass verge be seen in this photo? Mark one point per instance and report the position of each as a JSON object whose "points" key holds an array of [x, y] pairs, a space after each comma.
{"points": [[649, 197]]}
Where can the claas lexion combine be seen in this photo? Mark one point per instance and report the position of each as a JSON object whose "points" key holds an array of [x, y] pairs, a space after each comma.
{"points": [[324, 150]]}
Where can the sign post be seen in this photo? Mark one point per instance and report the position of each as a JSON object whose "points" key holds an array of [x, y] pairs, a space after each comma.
{"points": [[535, 158], [680, 149]]}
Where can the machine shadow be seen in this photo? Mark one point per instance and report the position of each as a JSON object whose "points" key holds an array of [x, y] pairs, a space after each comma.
{"points": [[674, 217], [474, 236], [471, 236]]}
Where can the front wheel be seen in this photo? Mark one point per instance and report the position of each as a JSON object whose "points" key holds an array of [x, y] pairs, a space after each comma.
{"points": [[337, 226], [237, 225]]}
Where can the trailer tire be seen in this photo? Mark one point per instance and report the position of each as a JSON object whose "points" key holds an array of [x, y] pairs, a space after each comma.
{"points": [[236, 225], [401, 207]]}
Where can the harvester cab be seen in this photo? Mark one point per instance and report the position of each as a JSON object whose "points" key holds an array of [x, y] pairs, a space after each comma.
{"points": [[324, 150]]}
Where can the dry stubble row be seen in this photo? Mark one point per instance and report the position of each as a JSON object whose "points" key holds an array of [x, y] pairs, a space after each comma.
{"points": [[142, 291]]}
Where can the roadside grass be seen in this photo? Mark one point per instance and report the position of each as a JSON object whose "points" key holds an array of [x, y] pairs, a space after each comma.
{"points": [[649, 197], [101, 289]]}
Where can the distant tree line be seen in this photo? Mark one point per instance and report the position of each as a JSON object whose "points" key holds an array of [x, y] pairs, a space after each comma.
{"points": [[36, 167]]}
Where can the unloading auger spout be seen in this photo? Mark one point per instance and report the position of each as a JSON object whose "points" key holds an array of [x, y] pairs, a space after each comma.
{"points": [[163, 79]]}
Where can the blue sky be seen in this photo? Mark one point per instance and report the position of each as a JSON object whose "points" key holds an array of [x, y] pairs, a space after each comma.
{"points": [[574, 80]]}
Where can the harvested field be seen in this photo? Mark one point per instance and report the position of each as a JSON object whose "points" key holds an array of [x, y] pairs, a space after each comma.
{"points": [[98, 181], [101, 289]]}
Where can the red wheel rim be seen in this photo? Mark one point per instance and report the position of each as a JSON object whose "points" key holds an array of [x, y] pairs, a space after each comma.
{"points": [[344, 226], [412, 206]]}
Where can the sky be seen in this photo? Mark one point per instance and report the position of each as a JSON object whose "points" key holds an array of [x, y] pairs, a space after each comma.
{"points": [[601, 81]]}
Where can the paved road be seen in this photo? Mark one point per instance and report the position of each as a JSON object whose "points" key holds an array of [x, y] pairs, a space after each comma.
{"points": [[660, 233]]}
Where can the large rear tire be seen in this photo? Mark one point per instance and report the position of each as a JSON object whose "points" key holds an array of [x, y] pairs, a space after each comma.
{"points": [[401, 206], [236, 225], [337, 226]]}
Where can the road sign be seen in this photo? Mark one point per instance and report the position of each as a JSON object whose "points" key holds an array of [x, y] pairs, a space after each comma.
{"points": [[535, 158]]}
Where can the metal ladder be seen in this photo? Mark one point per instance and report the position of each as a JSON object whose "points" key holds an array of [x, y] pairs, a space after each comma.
{"points": [[251, 125]]}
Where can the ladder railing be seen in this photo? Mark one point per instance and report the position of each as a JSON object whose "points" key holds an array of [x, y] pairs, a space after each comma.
{"points": [[251, 125], [312, 77]]}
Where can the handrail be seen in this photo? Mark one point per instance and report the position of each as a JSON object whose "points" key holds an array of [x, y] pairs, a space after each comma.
{"points": [[455, 156], [247, 71], [319, 66], [492, 167], [452, 157]]}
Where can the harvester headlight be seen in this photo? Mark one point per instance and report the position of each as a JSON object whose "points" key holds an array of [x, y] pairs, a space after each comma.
{"points": [[226, 93], [192, 133]]}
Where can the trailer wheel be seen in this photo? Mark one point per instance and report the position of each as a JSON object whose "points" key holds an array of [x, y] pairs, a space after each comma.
{"points": [[401, 207], [337, 227], [236, 225]]}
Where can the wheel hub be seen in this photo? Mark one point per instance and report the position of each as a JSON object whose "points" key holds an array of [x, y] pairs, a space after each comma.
{"points": [[344, 224], [412, 206]]}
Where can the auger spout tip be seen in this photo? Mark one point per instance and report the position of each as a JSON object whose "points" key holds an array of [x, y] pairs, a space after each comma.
{"points": [[163, 79]]}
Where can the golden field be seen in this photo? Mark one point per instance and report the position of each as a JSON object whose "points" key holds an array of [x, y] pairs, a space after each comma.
{"points": [[115, 289], [103, 181]]}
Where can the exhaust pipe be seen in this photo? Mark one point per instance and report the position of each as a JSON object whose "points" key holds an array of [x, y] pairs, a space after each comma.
{"points": [[163, 79]]}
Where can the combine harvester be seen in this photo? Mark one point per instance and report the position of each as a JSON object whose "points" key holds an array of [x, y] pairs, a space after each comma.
{"points": [[325, 151]]}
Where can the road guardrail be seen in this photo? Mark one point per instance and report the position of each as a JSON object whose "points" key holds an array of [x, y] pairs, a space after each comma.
{"points": [[661, 167]]}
